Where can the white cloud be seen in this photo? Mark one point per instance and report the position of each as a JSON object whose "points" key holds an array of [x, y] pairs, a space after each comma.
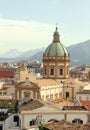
{"points": [[23, 35], [26, 35]]}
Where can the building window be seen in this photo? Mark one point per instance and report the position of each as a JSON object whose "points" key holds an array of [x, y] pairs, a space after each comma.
{"points": [[60, 95], [45, 71], [67, 95], [16, 120], [43, 97], [0, 93], [4, 93], [67, 70], [61, 71], [56, 96], [52, 72], [87, 98], [51, 97], [54, 120], [77, 121], [1, 126], [32, 122]]}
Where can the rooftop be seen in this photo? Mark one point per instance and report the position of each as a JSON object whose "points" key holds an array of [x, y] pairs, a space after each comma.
{"points": [[3, 88], [63, 102], [74, 108], [65, 125], [86, 104], [30, 105], [84, 92], [6, 74], [46, 82]]}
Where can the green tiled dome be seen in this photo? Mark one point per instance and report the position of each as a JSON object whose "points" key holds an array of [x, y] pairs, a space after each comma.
{"points": [[56, 48]]}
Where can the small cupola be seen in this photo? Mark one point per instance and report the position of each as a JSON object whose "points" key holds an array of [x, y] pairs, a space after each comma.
{"points": [[56, 36]]}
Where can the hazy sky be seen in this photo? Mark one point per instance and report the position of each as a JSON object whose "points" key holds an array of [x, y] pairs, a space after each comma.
{"points": [[30, 24]]}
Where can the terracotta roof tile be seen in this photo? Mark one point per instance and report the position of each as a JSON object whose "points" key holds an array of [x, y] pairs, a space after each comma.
{"points": [[86, 103], [65, 125], [30, 105], [74, 108], [4, 88], [6, 74]]}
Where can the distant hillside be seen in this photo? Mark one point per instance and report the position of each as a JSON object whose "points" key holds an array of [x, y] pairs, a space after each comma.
{"points": [[80, 53], [11, 54], [30, 53], [38, 56]]}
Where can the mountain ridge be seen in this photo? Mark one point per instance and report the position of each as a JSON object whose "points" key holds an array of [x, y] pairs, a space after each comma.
{"points": [[79, 54], [12, 53]]}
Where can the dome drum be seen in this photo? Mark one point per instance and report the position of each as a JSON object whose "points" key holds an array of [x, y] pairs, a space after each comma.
{"points": [[57, 58]]}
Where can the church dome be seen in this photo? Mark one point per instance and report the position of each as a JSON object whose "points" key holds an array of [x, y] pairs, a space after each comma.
{"points": [[56, 48]]}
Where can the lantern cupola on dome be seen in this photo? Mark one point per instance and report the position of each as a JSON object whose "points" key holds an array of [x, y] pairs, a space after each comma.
{"points": [[56, 48]]}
